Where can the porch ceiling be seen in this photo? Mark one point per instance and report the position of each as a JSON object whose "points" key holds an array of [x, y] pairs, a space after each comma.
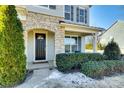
{"points": [[79, 28]]}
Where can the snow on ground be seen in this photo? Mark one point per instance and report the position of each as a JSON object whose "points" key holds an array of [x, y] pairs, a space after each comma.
{"points": [[56, 79]]}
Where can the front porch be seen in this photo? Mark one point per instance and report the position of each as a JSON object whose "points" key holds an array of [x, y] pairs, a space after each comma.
{"points": [[75, 37], [42, 45]]}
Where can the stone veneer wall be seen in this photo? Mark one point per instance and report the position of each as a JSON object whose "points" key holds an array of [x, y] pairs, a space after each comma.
{"points": [[51, 23], [42, 21], [47, 22]]}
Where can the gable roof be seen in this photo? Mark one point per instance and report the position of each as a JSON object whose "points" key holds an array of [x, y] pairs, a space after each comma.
{"points": [[116, 22]]}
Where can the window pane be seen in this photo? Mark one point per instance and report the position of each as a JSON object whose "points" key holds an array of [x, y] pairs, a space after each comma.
{"points": [[73, 40], [52, 6], [67, 48], [67, 40], [67, 16], [81, 12], [44, 5], [70, 40], [67, 8], [74, 48], [81, 19]]}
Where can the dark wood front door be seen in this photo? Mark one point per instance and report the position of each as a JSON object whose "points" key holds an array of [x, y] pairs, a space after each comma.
{"points": [[40, 46]]}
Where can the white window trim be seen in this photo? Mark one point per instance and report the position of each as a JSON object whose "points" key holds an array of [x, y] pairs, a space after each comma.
{"points": [[70, 44], [43, 32], [83, 16], [68, 12]]}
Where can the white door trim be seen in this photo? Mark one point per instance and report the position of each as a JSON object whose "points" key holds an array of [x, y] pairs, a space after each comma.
{"points": [[40, 32]]}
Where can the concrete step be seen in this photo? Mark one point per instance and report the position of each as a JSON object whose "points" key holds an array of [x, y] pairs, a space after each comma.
{"points": [[32, 66]]}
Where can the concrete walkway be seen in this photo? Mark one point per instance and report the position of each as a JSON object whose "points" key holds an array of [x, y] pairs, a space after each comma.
{"points": [[36, 78]]}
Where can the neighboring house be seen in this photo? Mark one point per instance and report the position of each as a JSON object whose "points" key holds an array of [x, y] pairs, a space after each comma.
{"points": [[54, 29], [116, 31]]}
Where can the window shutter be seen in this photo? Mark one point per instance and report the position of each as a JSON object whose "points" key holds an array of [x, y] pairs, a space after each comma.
{"points": [[77, 14], [86, 16], [72, 13]]}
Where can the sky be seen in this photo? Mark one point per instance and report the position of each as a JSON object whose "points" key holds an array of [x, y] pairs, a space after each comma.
{"points": [[105, 15]]}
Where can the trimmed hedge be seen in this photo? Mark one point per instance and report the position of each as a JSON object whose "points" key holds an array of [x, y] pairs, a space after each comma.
{"points": [[68, 61], [96, 69]]}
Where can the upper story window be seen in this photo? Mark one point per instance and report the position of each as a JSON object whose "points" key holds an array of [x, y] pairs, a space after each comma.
{"points": [[68, 12], [81, 15], [49, 6], [52, 6], [44, 5]]}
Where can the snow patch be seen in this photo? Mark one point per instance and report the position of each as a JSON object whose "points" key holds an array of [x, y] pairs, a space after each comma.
{"points": [[54, 75], [58, 79]]}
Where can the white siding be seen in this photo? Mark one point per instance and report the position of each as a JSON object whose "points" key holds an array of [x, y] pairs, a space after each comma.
{"points": [[39, 9], [116, 32]]}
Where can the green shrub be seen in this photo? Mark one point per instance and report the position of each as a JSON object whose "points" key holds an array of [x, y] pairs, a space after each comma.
{"points": [[99, 69], [112, 51], [114, 66], [111, 64], [12, 58], [93, 69], [66, 62]]}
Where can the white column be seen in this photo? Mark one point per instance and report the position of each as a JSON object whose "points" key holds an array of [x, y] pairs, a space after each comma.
{"points": [[95, 43], [83, 44]]}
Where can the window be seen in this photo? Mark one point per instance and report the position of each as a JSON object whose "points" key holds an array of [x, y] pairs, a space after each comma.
{"points": [[44, 5], [52, 6], [49, 6], [71, 44], [81, 15], [69, 12]]}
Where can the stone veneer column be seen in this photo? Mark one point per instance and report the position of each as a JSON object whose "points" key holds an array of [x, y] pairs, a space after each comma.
{"points": [[59, 40]]}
